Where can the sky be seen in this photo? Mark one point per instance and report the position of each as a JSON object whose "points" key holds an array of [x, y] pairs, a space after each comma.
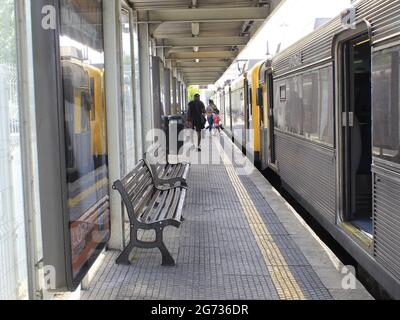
{"points": [[293, 20]]}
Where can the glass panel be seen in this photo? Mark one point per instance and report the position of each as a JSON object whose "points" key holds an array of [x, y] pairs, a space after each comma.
{"points": [[326, 113], [308, 107], [295, 105], [137, 65], [386, 104], [279, 107], [38, 255], [82, 62], [13, 260], [128, 102], [310, 102]]}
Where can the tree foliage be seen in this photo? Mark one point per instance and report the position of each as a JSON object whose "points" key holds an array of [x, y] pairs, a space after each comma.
{"points": [[192, 90]]}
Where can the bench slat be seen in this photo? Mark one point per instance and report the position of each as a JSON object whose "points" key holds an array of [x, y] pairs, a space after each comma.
{"points": [[169, 210], [133, 173], [142, 202], [163, 212], [136, 191], [179, 210], [136, 181], [148, 215], [174, 205]]}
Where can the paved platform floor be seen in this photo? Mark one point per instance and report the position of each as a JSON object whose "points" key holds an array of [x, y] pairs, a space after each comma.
{"points": [[240, 240]]}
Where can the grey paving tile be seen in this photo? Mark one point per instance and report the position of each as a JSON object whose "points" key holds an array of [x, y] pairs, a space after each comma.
{"points": [[217, 256]]}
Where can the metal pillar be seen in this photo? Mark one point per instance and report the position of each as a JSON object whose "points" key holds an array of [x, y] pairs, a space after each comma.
{"points": [[145, 79], [156, 81], [114, 116], [186, 98], [160, 54], [31, 208], [167, 86], [179, 108], [138, 110], [174, 95]]}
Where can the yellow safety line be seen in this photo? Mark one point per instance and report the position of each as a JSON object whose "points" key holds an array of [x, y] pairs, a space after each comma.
{"points": [[283, 279], [74, 201]]}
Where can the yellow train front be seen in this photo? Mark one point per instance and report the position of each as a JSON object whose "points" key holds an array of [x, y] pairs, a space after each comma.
{"points": [[242, 107]]}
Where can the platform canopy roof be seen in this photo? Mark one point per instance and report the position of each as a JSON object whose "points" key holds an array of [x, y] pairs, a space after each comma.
{"points": [[203, 37]]}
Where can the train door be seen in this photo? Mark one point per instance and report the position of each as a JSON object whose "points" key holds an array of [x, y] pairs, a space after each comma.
{"points": [[355, 141], [247, 114], [271, 120], [228, 103], [250, 125]]}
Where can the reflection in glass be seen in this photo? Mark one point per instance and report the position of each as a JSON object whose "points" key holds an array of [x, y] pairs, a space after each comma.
{"points": [[386, 105], [307, 109], [82, 63]]}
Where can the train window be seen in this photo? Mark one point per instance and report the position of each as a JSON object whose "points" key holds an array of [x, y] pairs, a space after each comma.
{"points": [[318, 106], [82, 61], [85, 112], [279, 109], [92, 95], [294, 112], [307, 109], [311, 107], [326, 113], [260, 97], [282, 90], [386, 104]]}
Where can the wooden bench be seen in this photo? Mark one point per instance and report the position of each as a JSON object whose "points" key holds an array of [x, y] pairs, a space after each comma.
{"points": [[163, 171], [150, 206]]}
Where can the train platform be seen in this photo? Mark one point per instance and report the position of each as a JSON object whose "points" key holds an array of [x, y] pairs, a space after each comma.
{"points": [[241, 240]]}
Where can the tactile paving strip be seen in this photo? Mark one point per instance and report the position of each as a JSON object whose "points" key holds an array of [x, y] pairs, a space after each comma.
{"points": [[284, 281]]}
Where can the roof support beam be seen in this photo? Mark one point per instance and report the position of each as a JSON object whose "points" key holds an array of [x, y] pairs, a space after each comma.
{"points": [[204, 64], [202, 81], [206, 41], [202, 74], [195, 69], [202, 55], [207, 15], [206, 76]]}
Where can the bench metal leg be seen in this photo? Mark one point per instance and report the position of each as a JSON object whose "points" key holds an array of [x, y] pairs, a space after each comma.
{"points": [[123, 258], [167, 260]]}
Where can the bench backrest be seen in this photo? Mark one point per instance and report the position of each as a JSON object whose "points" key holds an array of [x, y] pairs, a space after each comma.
{"points": [[136, 190], [156, 157]]}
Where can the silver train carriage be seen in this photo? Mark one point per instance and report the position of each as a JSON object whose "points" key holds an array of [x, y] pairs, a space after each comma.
{"points": [[333, 131]]}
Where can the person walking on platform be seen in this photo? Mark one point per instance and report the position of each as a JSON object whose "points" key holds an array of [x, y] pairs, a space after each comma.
{"points": [[217, 122], [196, 117], [210, 115]]}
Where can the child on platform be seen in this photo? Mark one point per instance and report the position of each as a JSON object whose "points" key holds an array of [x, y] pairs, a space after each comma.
{"points": [[217, 121]]}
